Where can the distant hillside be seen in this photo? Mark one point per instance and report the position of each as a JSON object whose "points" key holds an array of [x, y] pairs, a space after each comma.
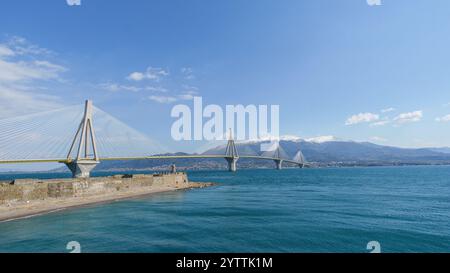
{"points": [[348, 152], [366, 152], [445, 150], [326, 153]]}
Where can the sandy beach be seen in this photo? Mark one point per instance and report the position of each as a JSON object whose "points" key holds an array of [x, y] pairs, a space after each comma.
{"points": [[18, 210]]}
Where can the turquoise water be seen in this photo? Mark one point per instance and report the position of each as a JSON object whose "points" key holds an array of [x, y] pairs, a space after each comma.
{"points": [[405, 209]]}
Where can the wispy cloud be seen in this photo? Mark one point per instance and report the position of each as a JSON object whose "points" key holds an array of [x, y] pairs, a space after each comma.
{"points": [[19, 70], [16, 63], [6, 51], [444, 118], [152, 73], [362, 118], [136, 76], [22, 46], [115, 87], [380, 123], [188, 73], [14, 101], [22, 66], [190, 88], [387, 110], [163, 99], [409, 117], [321, 139], [185, 96], [156, 89], [189, 92], [155, 75], [378, 139]]}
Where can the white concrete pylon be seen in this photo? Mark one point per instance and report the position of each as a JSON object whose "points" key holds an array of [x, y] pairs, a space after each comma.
{"points": [[84, 163], [85, 135], [231, 150], [231, 153]]}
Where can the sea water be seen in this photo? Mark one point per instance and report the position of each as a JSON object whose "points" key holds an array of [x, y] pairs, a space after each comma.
{"points": [[404, 209]]}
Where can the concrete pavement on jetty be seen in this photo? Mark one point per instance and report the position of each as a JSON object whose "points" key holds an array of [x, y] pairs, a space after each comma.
{"points": [[27, 197]]}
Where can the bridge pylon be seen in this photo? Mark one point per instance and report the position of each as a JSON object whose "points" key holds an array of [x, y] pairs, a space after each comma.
{"points": [[278, 164], [84, 162], [300, 159], [278, 161], [231, 154]]}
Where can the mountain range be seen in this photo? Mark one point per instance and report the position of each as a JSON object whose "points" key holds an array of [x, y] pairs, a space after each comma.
{"points": [[321, 152]]}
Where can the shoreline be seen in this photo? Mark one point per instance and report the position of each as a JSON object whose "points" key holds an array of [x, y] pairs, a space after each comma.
{"points": [[36, 208]]}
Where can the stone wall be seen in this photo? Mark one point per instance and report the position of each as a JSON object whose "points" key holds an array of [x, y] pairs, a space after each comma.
{"points": [[34, 189]]}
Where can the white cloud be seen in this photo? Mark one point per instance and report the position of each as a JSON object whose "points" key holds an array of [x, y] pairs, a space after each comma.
{"points": [[163, 99], [15, 66], [362, 118], [152, 73], [14, 101], [188, 94], [289, 138], [49, 65], [380, 123], [186, 97], [409, 117], [22, 64], [387, 110], [156, 89], [444, 118], [5, 51], [136, 76], [378, 139], [156, 75], [13, 71], [21, 46], [114, 87], [321, 139], [190, 89], [171, 99], [188, 73]]}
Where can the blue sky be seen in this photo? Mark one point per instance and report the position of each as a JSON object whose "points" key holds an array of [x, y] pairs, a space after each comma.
{"points": [[336, 68]]}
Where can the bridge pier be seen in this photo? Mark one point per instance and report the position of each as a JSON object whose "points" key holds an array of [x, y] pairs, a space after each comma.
{"points": [[278, 163], [232, 166], [82, 168]]}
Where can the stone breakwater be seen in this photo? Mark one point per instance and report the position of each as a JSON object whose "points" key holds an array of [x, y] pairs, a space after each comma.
{"points": [[25, 197]]}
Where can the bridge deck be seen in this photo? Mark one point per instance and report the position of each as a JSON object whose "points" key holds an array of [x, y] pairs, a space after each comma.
{"points": [[59, 160]]}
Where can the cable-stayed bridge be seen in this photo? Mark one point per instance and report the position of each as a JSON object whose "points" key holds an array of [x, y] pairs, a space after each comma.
{"points": [[53, 136]]}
